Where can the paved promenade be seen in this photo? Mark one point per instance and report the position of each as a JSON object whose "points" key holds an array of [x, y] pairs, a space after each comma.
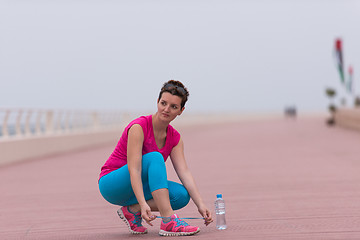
{"points": [[281, 179]]}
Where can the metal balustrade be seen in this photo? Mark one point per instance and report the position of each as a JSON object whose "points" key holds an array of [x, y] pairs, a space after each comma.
{"points": [[21, 123]]}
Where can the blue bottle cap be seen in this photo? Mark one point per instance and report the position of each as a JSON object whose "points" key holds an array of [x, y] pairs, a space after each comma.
{"points": [[219, 195]]}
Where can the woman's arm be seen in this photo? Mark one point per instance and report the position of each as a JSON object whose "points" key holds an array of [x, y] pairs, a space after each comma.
{"points": [[134, 158], [185, 176]]}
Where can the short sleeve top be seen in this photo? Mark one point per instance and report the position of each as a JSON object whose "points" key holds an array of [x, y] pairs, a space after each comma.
{"points": [[118, 158]]}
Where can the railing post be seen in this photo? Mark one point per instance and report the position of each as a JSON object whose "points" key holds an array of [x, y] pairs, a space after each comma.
{"points": [[57, 126], [38, 123], [27, 123], [49, 122], [5, 124], [67, 120], [95, 120], [76, 121], [18, 123]]}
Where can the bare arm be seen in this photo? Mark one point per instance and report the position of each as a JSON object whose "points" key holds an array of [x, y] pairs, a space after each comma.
{"points": [[134, 158], [185, 176]]}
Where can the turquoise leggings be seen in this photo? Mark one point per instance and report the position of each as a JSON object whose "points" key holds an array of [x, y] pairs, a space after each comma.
{"points": [[116, 188]]}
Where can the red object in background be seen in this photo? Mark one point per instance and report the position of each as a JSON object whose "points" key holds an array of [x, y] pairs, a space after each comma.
{"points": [[338, 44], [339, 58], [350, 70]]}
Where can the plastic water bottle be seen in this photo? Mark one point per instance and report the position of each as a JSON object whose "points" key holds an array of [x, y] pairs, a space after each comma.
{"points": [[220, 212]]}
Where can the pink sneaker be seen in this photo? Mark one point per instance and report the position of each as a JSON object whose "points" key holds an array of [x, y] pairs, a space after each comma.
{"points": [[174, 226], [132, 220]]}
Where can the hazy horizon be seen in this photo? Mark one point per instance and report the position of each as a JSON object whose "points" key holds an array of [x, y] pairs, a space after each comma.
{"points": [[234, 56]]}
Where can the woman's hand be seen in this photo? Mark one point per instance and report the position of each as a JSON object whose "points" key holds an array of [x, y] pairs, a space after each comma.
{"points": [[205, 212], [146, 214]]}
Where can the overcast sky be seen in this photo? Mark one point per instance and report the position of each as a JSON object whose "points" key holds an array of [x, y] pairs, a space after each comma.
{"points": [[241, 56]]}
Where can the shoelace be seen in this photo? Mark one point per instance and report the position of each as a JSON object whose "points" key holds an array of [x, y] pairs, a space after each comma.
{"points": [[181, 222], [181, 217], [137, 220]]}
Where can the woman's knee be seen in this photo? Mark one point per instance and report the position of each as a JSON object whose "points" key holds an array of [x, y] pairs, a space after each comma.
{"points": [[179, 196], [153, 156], [155, 159]]}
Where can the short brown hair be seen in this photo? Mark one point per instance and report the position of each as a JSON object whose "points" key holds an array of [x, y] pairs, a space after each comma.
{"points": [[175, 88]]}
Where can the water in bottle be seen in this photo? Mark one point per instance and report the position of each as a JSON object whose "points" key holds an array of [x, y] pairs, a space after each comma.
{"points": [[220, 212]]}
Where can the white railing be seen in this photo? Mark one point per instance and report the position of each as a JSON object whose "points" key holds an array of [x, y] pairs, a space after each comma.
{"points": [[30, 133], [21, 123]]}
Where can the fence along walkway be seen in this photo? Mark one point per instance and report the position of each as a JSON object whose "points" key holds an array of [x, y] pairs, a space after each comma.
{"points": [[281, 179], [35, 122], [28, 133]]}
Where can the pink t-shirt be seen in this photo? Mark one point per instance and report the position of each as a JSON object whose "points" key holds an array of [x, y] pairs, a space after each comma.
{"points": [[118, 158]]}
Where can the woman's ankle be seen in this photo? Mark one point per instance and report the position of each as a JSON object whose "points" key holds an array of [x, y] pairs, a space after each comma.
{"points": [[167, 213], [134, 208]]}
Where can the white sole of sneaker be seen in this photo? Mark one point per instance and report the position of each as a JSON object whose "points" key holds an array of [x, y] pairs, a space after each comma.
{"points": [[169, 234], [121, 215]]}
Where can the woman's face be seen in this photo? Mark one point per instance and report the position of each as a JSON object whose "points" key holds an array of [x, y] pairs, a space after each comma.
{"points": [[169, 106]]}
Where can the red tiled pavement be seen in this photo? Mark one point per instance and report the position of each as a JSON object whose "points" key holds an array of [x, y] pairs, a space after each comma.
{"points": [[281, 179]]}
